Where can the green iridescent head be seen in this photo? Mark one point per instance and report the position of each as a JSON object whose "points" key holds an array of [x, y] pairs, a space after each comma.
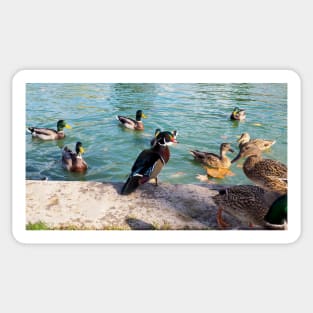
{"points": [[62, 124], [79, 148], [277, 214]]}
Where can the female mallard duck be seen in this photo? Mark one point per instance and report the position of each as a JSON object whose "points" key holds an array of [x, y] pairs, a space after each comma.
{"points": [[252, 205], [74, 162], [131, 123], [214, 160], [150, 162], [238, 114], [48, 133], [260, 143], [266, 173]]}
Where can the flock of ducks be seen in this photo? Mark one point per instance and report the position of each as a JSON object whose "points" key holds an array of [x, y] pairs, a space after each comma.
{"points": [[263, 204]]}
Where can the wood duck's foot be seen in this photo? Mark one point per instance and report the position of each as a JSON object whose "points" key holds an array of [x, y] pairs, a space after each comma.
{"points": [[221, 223]]}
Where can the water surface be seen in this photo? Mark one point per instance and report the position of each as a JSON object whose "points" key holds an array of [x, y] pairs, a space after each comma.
{"points": [[200, 112]]}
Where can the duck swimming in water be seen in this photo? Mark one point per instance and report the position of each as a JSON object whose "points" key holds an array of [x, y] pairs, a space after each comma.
{"points": [[238, 114], [262, 144], [73, 161], [48, 133], [212, 159], [131, 123]]}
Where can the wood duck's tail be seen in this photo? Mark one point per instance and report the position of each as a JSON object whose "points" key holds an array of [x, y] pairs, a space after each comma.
{"points": [[131, 184]]}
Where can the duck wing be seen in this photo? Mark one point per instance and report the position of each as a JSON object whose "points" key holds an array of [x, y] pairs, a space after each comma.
{"points": [[147, 165], [42, 131], [126, 121], [67, 158]]}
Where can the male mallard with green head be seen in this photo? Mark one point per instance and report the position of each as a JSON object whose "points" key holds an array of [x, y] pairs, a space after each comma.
{"points": [[252, 205], [238, 114], [266, 173], [73, 161], [48, 133], [150, 162], [262, 144], [131, 123]]}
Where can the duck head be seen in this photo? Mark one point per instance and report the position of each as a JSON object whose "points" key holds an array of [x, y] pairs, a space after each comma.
{"points": [[79, 148], [140, 115], [226, 147], [247, 151], [62, 124], [245, 137], [165, 138]]}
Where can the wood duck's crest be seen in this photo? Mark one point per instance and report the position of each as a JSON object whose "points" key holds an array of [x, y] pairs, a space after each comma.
{"points": [[158, 137]]}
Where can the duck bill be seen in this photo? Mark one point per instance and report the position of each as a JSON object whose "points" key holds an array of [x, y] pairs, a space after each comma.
{"points": [[236, 158], [231, 150], [68, 126], [81, 150], [143, 116]]}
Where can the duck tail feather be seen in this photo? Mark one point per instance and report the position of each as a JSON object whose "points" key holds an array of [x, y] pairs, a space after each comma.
{"points": [[131, 185]]}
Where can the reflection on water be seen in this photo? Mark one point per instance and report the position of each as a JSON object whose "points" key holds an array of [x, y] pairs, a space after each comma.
{"points": [[200, 112]]}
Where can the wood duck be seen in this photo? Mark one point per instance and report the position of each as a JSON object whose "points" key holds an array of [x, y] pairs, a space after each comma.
{"points": [[150, 162]]}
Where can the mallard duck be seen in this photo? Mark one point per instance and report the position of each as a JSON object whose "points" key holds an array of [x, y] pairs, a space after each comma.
{"points": [[150, 162], [262, 144], [48, 133], [131, 123], [252, 205], [238, 114], [214, 160], [74, 162], [266, 173]]}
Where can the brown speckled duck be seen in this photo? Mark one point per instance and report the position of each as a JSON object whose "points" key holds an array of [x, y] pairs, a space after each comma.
{"points": [[214, 160], [74, 162], [266, 173], [48, 133], [252, 205], [262, 144], [131, 123]]}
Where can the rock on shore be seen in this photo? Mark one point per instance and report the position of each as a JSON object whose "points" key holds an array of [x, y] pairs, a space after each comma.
{"points": [[96, 205]]}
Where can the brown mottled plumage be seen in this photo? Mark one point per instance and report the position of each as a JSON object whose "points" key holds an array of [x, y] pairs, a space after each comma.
{"points": [[214, 160], [266, 173], [262, 144], [250, 204]]}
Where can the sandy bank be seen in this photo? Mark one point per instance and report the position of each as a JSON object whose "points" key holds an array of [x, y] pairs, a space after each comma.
{"points": [[99, 205]]}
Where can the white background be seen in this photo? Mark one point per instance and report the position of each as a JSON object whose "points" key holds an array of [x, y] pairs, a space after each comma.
{"points": [[159, 34]]}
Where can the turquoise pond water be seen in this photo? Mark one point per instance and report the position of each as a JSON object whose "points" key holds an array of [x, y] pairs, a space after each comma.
{"points": [[200, 112]]}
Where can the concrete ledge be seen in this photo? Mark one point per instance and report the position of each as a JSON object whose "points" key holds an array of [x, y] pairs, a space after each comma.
{"points": [[96, 205]]}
